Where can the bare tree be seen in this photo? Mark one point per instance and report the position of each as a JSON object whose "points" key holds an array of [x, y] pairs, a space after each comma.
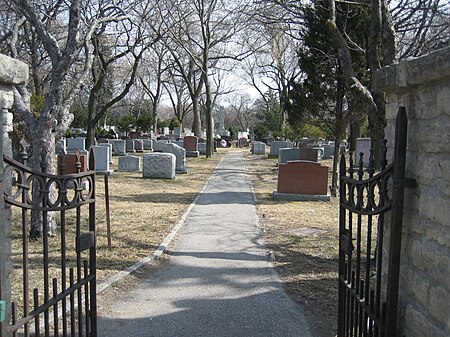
{"points": [[70, 68], [202, 31]]}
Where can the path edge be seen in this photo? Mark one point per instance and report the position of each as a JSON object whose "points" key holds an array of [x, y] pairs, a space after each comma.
{"points": [[161, 248]]}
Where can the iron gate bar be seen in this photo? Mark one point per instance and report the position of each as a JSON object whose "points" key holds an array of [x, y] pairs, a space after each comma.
{"points": [[55, 295], [361, 309]]}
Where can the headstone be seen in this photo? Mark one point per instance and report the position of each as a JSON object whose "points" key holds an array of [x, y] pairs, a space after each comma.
{"points": [[138, 145], [148, 144], [129, 164], [307, 180], [276, 145], [102, 140], [130, 146], [190, 143], [158, 145], [110, 151], [166, 131], [258, 148], [328, 151], [177, 131], [178, 142], [363, 146], [118, 147], [202, 148], [180, 154], [101, 154], [159, 166], [74, 144], [70, 163], [288, 154]]}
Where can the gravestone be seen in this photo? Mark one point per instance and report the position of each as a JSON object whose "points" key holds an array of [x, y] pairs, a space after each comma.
{"points": [[70, 163], [74, 144], [328, 151], [302, 180], [148, 144], [101, 154], [159, 166], [118, 147], [190, 144], [258, 148], [158, 145], [130, 146], [202, 148], [166, 131], [180, 154], [129, 164], [138, 145], [288, 154], [109, 146], [178, 142], [276, 145], [177, 131], [363, 145]]}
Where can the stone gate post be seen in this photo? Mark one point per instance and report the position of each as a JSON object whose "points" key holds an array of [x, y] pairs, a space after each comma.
{"points": [[12, 72]]}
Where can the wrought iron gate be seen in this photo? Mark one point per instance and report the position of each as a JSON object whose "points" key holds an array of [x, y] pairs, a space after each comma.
{"points": [[53, 279], [368, 270]]}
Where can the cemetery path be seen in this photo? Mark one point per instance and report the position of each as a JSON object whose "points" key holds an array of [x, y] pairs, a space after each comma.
{"points": [[218, 281]]}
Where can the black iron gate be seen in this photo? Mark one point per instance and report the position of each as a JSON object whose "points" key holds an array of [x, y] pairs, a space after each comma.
{"points": [[53, 279], [368, 269]]}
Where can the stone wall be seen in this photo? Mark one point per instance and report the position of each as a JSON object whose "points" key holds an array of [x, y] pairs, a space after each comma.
{"points": [[12, 72], [422, 85]]}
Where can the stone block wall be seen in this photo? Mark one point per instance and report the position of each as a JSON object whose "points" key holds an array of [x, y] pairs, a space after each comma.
{"points": [[422, 86], [12, 72]]}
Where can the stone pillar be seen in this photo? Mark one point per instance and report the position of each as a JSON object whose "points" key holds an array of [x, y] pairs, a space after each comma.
{"points": [[12, 72], [422, 86]]}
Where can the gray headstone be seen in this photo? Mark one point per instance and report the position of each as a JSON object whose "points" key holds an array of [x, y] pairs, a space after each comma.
{"points": [[138, 145], [180, 154], [158, 145], [130, 146], [328, 151], [288, 154], [258, 148], [109, 146], [276, 145], [74, 144], [101, 154], [159, 166], [148, 144], [118, 147], [202, 148], [178, 142], [129, 164]]}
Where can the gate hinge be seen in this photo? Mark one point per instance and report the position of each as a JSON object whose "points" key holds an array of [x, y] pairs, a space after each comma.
{"points": [[2, 311], [405, 183]]}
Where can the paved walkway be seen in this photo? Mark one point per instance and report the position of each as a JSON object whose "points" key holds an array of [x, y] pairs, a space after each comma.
{"points": [[218, 282]]}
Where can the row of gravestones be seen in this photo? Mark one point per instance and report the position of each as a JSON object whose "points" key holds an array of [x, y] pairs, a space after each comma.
{"points": [[169, 157], [300, 177]]}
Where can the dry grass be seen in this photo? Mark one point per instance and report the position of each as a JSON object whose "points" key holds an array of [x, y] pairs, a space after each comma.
{"points": [[303, 236]]}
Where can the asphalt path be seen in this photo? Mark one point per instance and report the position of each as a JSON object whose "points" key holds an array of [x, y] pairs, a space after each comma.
{"points": [[219, 281]]}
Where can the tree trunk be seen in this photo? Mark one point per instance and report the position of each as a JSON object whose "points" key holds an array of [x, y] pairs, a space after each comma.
{"points": [[44, 140], [197, 125]]}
